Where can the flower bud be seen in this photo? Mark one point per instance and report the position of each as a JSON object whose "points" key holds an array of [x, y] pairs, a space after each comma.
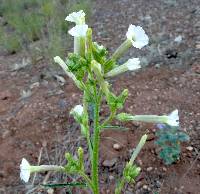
{"points": [[58, 60]]}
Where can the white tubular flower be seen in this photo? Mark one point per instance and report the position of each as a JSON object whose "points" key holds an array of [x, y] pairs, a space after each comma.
{"points": [[25, 170], [173, 118], [131, 64], [137, 36], [77, 17], [78, 109], [79, 31]]}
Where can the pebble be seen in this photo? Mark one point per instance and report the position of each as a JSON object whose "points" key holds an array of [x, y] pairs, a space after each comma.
{"points": [[5, 95], [109, 163], [140, 162], [117, 146], [34, 85], [111, 177], [149, 169], [178, 39], [189, 148], [145, 187], [6, 134], [164, 169], [50, 191]]}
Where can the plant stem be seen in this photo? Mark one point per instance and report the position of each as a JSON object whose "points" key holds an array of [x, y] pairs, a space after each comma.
{"points": [[87, 179], [120, 186], [95, 158], [109, 119]]}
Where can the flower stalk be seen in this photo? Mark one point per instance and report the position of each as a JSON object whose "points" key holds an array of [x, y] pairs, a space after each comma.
{"points": [[90, 68]]}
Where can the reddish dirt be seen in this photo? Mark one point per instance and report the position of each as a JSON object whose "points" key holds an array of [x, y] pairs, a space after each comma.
{"points": [[26, 124]]}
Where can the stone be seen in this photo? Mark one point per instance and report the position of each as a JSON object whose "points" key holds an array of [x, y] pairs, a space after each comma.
{"points": [[6, 134], [111, 177], [34, 85], [117, 146], [109, 163], [189, 148], [164, 169], [178, 39], [149, 169], [145, 187]]}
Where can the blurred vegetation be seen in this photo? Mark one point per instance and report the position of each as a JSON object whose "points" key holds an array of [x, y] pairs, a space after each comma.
{"points": [[37, 26]]}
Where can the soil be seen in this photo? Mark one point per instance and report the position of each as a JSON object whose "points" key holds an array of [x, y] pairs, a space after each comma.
{"points": [[35, 124]]}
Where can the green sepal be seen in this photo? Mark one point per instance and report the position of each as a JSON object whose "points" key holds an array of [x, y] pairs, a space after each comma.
{"points": [[117, 102], [77, 65], [109, 65], [131, 172], [74, 165], [99, 53]]}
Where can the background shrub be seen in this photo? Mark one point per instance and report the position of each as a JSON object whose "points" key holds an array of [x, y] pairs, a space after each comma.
{"points": [[37, 26]]}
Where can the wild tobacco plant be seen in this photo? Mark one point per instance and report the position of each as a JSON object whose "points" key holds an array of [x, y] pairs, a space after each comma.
{"points": [[90, 67]]}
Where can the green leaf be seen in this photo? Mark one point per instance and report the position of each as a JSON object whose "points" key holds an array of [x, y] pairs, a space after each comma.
{"points": [[115, 127], [61, 185]]}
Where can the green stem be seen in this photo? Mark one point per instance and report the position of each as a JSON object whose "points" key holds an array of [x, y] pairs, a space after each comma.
{"points": [[96, 140], [109, 119], [85, 107], [87, 179], [120, 186]]}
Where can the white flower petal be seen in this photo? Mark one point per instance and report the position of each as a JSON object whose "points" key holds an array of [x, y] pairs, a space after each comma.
{"points": [[25, 170], [77, 17], [137, 36], [133, 64], [79, 30], [173, 118], [78, 109]]}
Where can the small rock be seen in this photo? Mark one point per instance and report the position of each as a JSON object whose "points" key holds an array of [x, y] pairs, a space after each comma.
{"points": [[109, 163], [140, 162], [178, 39], [157, 65], [138, 184], [145, 187], [34, 85], [117, 147], [111, 177], [25, 94], [198, 46], [50, 191], [23, 64], [60, 79], [6, 134], [189, 148], [149, 169], [164, 169], [4, 95]]}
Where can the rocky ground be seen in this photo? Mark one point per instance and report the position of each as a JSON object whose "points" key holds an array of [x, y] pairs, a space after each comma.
{"points": [[35, 101]]}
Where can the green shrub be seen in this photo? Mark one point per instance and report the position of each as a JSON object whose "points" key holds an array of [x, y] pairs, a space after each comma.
{"points": [[27, 21], [169, 139]]}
